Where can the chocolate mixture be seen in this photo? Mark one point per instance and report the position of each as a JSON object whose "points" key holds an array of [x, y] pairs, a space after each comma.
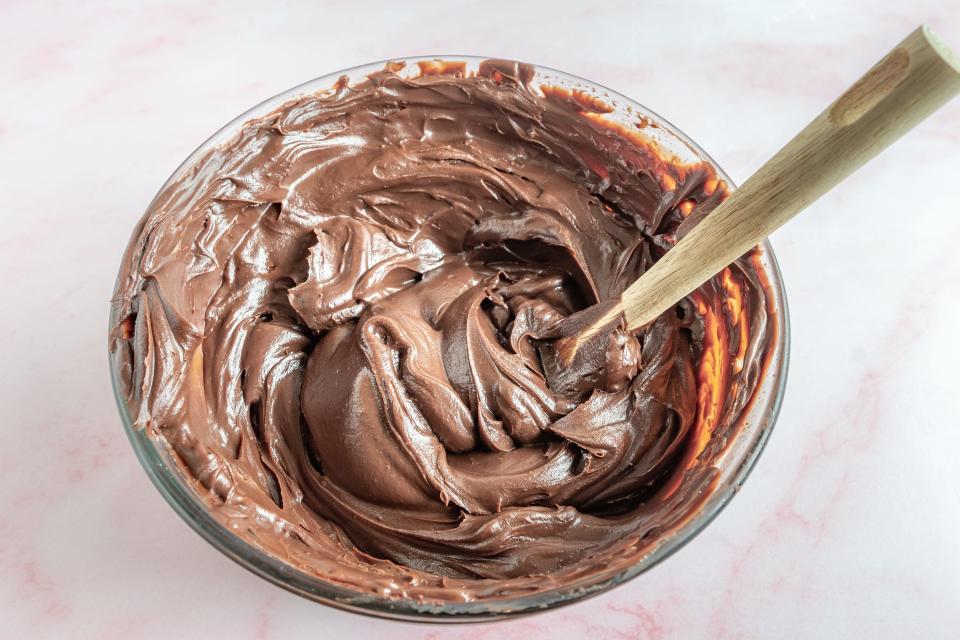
{"points": [[334, 321]]}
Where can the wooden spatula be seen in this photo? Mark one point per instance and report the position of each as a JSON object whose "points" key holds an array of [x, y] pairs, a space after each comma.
{"points": [[910, 83]]}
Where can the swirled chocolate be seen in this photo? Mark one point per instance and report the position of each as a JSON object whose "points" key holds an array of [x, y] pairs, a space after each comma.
{"points": [[334, 322]]}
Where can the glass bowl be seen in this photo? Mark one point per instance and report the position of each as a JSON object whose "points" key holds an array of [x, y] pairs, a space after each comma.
{"points": [[735, 463]]}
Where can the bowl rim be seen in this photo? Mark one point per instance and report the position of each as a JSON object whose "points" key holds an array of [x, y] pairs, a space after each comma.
{"points": [[155, 456]]}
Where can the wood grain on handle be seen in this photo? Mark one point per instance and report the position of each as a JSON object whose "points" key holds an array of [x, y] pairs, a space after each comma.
{"points": [[909, 84]]}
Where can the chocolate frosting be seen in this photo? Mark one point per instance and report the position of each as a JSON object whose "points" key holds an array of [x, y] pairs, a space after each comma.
{"points": [[338, 322]]}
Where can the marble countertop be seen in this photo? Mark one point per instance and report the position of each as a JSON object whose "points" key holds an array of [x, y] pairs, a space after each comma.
{"points": [[848, 526]]}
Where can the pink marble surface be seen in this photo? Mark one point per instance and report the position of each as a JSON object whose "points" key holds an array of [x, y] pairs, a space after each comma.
{"points": [[849, 524]]}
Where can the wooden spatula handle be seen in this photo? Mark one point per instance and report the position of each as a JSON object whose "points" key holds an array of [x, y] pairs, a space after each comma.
{"points": [[911, 82]]}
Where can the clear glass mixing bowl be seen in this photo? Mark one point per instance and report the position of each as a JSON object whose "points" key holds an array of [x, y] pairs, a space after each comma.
{"points": [[735, 464]]}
